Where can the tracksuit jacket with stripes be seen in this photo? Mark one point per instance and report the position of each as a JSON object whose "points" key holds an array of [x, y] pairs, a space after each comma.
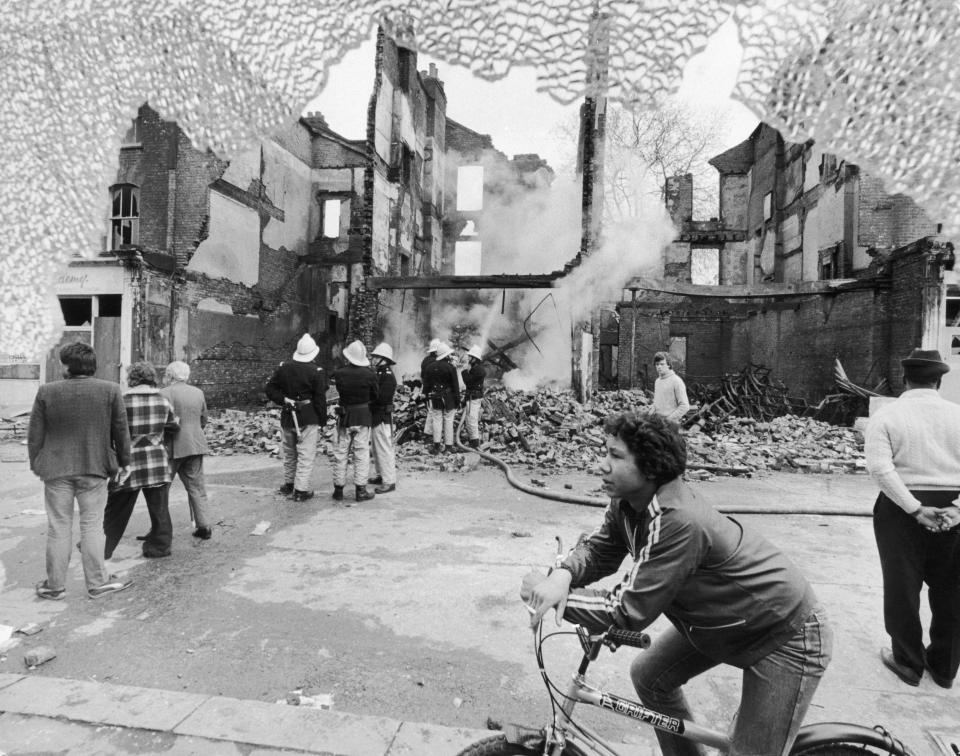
{"points": [[728, 590]]}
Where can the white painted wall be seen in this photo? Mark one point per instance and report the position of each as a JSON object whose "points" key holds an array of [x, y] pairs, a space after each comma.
{"points": [[288, 183], [232, 249]]}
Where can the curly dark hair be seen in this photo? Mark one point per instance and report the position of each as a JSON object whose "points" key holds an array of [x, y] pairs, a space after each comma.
{"points": [[655, 443], [141, 373]]}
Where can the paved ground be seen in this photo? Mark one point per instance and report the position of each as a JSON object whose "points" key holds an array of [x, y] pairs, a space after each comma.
{"points": [[403, 610]]}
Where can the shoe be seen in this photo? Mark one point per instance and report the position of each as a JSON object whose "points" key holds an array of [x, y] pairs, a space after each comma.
{"points": [[44, 591], [474, 443], [363, 494], [375, 481], [451, 449], [203, 534], [385, 488], [113, 585], [943, 682], [286, 489], [139, 538], [905, 674], [302, 495], [437, 448], [155, 554], [338, 493]]}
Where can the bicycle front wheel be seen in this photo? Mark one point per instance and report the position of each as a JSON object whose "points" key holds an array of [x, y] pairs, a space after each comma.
{"points": [[497, 745]]}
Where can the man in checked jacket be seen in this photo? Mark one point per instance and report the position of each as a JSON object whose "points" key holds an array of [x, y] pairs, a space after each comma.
{"points": [[150, 416]]}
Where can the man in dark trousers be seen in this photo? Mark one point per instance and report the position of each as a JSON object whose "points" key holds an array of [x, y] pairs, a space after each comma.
{"points": [[300, 388], [381, 438], [427, 361], [78, 438], [357, 386], [473, 378], [441, 384], [912, 450]]}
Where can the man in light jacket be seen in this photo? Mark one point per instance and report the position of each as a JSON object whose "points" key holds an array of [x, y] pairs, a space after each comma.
{"points": [[189, 443], [669, 391]]}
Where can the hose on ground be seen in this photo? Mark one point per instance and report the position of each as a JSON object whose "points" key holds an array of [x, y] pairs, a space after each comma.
{"points": [[593, 501]]}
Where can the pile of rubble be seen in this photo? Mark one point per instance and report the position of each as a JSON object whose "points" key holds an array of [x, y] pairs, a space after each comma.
{"points": [[550, 431]]}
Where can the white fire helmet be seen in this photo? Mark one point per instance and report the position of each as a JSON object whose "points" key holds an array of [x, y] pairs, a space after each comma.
{"points": [[434, 343], [384, 350], [475, 352], [356, 353], [444, 351], [307, 349]]}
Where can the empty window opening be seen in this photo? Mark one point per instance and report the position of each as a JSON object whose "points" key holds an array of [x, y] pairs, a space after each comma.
{"points": [[466, 261], [404, 265], [132, 136], [705, 266], [125, 217], [470, 187], [77, 311], [331, 218], [108, 305]]}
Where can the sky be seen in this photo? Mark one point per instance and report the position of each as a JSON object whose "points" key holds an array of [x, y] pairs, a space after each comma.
{"points": [[517, 117]]}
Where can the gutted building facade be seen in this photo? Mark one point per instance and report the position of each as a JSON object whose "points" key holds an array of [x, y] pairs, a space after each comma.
{"points": [[815, 261]]}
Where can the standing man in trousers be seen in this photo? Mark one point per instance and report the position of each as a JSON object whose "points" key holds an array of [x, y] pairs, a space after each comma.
{"points": [[473, 384], [381, 409], [912, 449], [669, 391], [300, 388], [357, 386], [77, 439], [441, 383], [189, 443], [424, 364]]}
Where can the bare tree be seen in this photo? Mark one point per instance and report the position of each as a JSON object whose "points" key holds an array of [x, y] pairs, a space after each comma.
{"points": [[644, 148]]}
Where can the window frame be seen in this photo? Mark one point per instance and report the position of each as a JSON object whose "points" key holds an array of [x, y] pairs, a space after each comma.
{"points": [[117, 220]]}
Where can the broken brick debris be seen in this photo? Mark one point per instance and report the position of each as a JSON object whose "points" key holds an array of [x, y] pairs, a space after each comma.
{"points": [[549, 431]]}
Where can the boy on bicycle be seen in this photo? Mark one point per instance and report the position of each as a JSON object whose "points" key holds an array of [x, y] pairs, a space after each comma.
{"points": [[731, 596]]}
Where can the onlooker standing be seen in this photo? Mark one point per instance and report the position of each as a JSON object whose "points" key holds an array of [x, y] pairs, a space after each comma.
{"points": [[428, 360], [473, 382], [912, 449], [77, 439], [441, 382], [357, 386], [189, 443], [669, 391], [381, 410], [150, 416], [300, 388]]}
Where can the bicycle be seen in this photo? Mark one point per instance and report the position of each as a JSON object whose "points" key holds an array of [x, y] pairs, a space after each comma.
{"points": [[564, 736]]}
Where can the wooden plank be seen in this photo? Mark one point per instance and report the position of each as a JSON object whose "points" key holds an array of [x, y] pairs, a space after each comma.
{"points": [[544, 281]]}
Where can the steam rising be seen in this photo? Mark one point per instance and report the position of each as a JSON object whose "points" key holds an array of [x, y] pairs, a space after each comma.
{"points": [[530, 225]]}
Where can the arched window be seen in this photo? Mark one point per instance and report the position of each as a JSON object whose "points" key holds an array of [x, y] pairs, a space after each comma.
{"points": [[124, 216]]}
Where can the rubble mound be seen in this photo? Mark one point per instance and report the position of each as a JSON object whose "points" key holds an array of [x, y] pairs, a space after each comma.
{"points": [[550, 431]]}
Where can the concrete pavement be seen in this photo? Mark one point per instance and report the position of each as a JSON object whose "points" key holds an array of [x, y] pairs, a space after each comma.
{"points": [[47, 712]]}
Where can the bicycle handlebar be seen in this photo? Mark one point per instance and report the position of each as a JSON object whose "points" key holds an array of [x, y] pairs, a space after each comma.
{"points": [[627, 638]]}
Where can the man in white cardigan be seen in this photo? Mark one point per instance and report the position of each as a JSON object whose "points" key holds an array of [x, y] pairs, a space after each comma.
{"points": [[912, 450], [190, 443], [669, 391]]}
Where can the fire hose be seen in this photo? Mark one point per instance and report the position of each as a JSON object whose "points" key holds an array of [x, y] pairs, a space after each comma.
{"points": [[593, 501]]}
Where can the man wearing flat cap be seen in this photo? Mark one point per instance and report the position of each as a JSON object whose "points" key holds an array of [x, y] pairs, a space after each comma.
{"points": [[912, 449], [300, 388]]}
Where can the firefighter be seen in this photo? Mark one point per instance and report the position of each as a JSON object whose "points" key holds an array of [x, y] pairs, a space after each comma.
{"points": [[441, 384], [381, 409], [300, 388], [473, 383], [428, 360], [357, 386]]}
